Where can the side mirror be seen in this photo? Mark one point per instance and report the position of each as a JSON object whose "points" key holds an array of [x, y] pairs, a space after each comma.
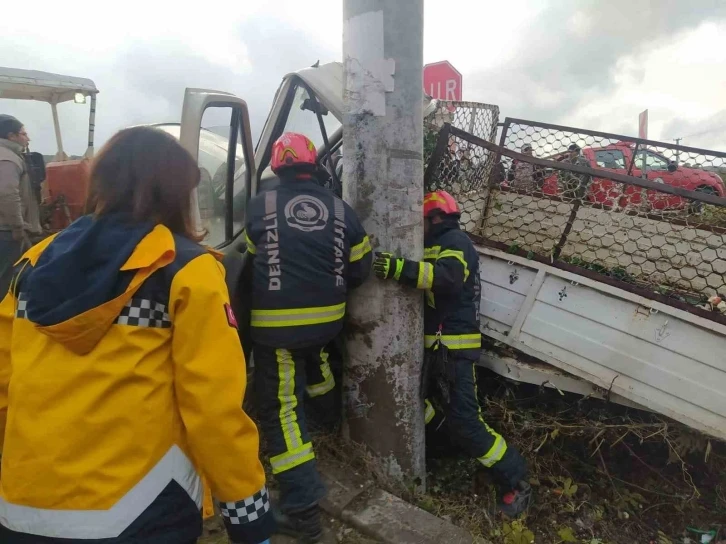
{"points": [[672, 166], [36, 167]]}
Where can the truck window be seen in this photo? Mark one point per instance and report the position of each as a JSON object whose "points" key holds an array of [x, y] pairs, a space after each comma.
{"points": [[610, 158], [214, 138], [304, 120], [655, 162], [213, 146]]}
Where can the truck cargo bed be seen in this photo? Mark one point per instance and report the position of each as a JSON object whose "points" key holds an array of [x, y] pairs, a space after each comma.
{"points": [[657, 356]]}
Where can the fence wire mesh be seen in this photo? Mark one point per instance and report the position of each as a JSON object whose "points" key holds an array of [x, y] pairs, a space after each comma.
{"points": [[454, 164], [643, 213]]}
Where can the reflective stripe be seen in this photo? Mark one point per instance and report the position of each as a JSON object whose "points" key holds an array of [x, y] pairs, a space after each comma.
{"points": [[399, 269], [458, 255], [455, 341], [425, 276], [287, 398], [431, 252], [298, 316], [358, 251], [499, 448], [250, 244], [430, 300], [496, 452], [297, 452], [293, 458], [328, 382], [339, 208], [429, 413], [99, 524]]}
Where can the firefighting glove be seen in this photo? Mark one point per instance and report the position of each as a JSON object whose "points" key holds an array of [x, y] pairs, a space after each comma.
{"points": [[387, 266]]}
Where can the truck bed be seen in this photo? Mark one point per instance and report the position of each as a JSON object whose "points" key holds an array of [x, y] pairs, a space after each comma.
{"points": [[656, 356]]}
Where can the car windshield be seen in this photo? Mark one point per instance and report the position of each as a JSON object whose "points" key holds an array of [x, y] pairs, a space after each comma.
{"points": [[304, 120]]}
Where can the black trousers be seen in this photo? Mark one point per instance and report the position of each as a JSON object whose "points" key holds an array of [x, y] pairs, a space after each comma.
{"points": [[283, 379], [460, 421], [10, 252]]}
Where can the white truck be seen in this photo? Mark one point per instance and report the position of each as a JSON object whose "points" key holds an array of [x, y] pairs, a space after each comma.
{"points": [[597, 340]]}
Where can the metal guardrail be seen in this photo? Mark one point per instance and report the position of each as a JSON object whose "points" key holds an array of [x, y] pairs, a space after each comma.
{"points": [[567, 196]]}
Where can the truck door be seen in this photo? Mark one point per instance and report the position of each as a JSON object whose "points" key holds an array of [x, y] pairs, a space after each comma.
{"points": [[215, 129], [656, 170]]}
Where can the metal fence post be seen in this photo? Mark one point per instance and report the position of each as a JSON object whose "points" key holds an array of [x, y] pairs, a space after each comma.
{"points": [[442, 143], [492, 182], [557, 250]]}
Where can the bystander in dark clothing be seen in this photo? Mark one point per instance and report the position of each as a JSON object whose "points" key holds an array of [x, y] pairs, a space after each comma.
{"points": [[574, 185], [19, 213], [525, 175]]}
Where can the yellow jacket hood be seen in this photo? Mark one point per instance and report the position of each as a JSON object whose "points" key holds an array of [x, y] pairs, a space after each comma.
{"points": [[80, 280]]}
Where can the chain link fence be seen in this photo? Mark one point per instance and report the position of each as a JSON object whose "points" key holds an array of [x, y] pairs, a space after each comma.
{"points": [[454, 163], [643, 214]]}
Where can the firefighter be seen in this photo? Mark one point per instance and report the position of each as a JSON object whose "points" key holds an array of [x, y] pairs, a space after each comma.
{"points": [[121, 371], [449, 274], [309, 249]]}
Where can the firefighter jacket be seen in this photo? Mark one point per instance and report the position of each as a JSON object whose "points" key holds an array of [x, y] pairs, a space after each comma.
{"points": [[121, 383], [309, 248], [450, 275]]}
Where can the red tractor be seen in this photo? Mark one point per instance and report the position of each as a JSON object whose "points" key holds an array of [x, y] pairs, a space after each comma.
{"points": [[61, 185]]}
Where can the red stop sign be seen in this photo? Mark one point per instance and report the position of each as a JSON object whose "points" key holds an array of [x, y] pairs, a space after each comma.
{"points": [[442, 81]]}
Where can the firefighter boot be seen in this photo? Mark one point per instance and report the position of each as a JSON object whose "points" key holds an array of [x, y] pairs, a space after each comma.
{"points": [[515, 502], [304, 525]]}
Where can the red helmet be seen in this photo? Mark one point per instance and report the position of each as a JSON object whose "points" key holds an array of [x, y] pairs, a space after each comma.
{"points": [[293, 150], [440, 201]]}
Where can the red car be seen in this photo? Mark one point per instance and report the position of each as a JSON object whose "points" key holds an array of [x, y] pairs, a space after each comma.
{"points": [[617, 158]]}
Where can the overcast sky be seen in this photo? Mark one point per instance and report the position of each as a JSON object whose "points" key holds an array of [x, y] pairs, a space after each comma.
{"points": [[588, 63]]}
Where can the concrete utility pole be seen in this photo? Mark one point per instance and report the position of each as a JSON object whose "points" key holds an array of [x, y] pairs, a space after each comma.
{"points": [[383, 173]]}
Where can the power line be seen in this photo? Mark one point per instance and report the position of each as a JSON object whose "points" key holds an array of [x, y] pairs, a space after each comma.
{"points": [[709, 131]]}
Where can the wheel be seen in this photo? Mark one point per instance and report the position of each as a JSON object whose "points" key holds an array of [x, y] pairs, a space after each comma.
{"points": [[696, 208]]}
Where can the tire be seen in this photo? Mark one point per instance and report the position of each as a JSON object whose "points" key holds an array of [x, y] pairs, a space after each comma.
{"points": [[696, 208]]}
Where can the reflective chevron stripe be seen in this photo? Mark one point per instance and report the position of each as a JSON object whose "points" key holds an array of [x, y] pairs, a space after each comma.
{"points": [[110, 523]]}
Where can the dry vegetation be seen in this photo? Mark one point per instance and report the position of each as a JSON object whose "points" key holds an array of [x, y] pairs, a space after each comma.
{"points": [[603, 474]]}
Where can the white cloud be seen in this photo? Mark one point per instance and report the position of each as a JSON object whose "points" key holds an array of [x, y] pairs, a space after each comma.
{"points": [[585, 62], [682, 83]]}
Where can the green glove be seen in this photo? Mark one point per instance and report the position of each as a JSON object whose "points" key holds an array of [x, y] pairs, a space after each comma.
{"points": [[386, 265]]}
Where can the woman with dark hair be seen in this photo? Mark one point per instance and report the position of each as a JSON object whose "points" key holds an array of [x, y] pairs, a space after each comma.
{"points": [[19, 214], [121, 371]]}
